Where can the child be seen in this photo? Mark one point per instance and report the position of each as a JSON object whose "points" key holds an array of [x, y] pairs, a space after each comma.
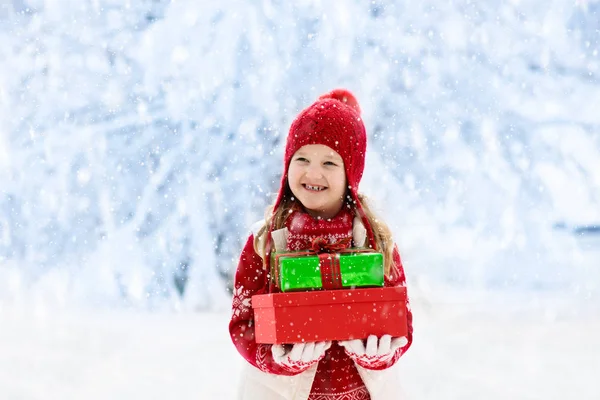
{"points": [[318, 197]]}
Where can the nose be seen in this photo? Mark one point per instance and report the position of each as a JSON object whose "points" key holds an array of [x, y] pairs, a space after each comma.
{"points": [[313, 172]]}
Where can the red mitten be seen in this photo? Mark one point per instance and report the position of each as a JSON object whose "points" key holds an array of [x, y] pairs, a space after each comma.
{"points": [[301, 357], [376, 354]]}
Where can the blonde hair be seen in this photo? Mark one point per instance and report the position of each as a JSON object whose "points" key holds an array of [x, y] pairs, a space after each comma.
{"points": [[381, 232]]}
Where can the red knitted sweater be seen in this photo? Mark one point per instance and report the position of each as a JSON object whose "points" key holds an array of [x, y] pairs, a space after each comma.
{"points": [[337, 376]]}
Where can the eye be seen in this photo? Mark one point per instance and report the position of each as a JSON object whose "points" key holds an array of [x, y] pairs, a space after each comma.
{"points": [[331, 163], [301, 159]]}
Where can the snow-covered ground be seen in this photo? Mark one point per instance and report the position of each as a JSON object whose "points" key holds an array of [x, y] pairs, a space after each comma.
{"points": [[461, 351]]}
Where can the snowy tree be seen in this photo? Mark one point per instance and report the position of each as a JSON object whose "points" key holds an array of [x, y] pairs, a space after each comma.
{"points": [[139, 140]]}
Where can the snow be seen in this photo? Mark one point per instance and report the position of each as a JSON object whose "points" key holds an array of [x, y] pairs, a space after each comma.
{"points": [[461, 351], [117, 355]]}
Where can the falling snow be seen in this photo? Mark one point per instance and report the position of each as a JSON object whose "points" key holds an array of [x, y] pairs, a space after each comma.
{"points": [[140, 140]]}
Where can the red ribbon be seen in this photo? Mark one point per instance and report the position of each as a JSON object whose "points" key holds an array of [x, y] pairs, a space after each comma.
{"points": [[331, 276]]}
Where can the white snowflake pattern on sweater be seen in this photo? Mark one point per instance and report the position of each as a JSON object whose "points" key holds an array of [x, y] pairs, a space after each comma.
{"points": [[241, 301]]}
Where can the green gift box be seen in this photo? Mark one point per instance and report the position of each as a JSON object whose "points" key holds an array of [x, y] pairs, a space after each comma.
{"points": [[305, 270]]}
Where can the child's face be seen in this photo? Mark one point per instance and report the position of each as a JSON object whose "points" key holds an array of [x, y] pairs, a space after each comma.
{"points": [[318, 179]]}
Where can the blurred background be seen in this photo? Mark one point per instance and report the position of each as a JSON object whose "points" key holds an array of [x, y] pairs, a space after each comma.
{"points": [[140, 139]]}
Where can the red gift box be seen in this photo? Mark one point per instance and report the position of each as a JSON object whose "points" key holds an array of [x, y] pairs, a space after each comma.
{"points": [[296, 317]]}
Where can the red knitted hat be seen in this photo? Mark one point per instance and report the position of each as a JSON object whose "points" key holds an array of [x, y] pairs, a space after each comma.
{"points": [[334, 121]]}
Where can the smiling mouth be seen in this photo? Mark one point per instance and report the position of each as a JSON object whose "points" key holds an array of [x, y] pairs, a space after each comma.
{"points": [[314, 188]]}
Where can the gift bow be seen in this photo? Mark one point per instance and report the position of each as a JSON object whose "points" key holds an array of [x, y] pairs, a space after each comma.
{"points": [[321, 245]]}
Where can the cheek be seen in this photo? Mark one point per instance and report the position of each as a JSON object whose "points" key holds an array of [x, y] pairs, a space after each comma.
{"points": [[340, 182], [293, 176]]}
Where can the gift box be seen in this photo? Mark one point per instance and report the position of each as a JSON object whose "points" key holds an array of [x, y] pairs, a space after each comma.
{"points": [[305, 270], [295, 317]]}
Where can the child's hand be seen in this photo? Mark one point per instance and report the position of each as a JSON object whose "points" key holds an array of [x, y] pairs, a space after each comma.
{"points": [[301, 356], [376, 353]]}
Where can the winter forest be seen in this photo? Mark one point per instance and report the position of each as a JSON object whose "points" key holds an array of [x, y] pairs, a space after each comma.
{"points": [[140, 140]]}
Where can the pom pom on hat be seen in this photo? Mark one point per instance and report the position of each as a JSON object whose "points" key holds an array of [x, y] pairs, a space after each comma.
{"points": [[344, 96]]}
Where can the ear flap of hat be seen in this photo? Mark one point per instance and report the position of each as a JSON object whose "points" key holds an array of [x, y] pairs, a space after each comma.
{"points": [[363, 216]]}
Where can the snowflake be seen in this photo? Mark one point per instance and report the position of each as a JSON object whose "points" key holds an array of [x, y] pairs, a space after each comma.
{"points": [[241, 301]]}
